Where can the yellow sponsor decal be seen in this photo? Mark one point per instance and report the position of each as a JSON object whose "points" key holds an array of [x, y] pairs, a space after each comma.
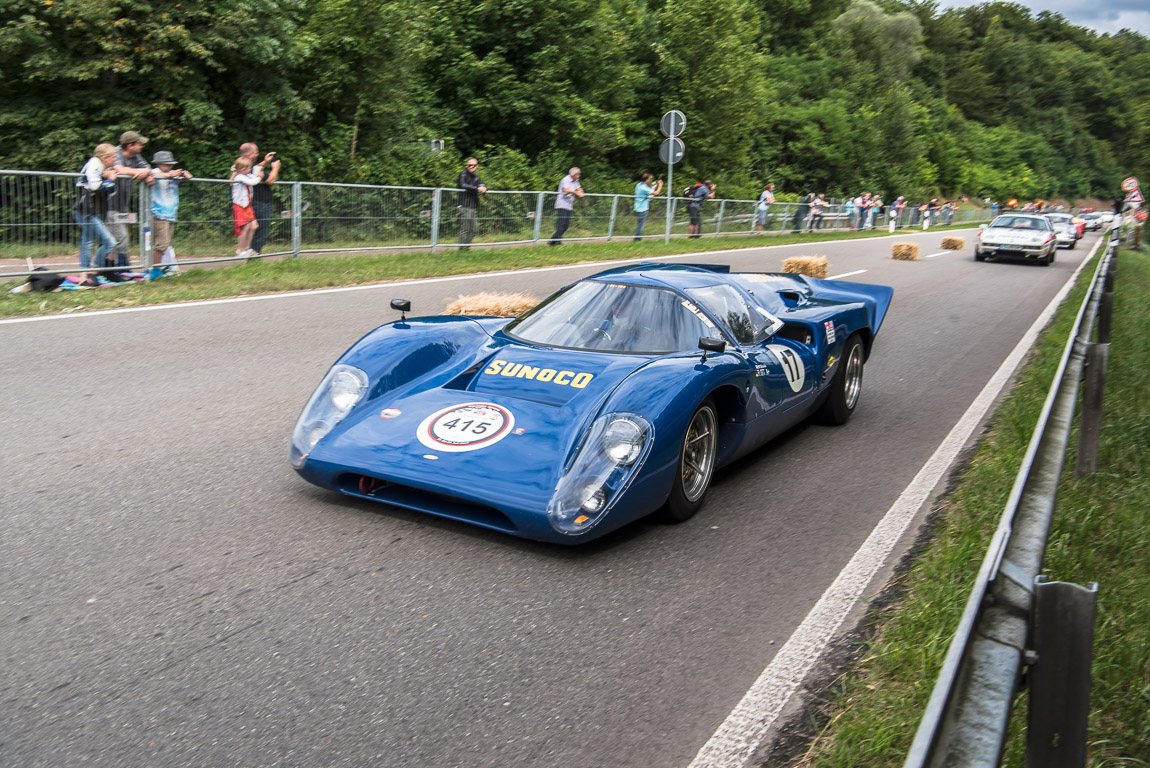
{"points": [[575, 379]]}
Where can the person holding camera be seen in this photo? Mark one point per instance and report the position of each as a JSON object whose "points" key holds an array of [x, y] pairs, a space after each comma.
{"points": [[262, 197], [704, 190], [643, 194], [569, 189]]}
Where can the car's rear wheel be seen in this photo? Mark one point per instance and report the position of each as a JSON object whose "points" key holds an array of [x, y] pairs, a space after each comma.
{"points": [[845, 387], [696, 464], [977, 255]]}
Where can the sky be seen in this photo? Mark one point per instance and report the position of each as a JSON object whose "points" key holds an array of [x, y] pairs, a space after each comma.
{"points": [[1099, 15]]}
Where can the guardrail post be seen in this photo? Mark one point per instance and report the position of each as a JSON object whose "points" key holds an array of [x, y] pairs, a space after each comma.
{"points": [[1063, 639], [1090, 426], [611, 224], [538, 217], [719, 224], [436, 199], [296, 219]]}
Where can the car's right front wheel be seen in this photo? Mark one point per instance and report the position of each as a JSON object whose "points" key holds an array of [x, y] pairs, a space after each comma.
{"points": [[845, 386], [696, 464]]}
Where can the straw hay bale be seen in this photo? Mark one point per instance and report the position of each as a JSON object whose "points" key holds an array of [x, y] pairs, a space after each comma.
{"points": [[812, 266], [904, 251], [954, 243], [499, 304]]}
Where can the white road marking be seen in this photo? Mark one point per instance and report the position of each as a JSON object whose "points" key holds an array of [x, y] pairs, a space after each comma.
{"points": [[746, 729], [940, 253], [847, 274], [402, 283]]}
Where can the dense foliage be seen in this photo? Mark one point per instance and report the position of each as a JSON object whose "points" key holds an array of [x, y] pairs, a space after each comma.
{"points": [[838, 96]]}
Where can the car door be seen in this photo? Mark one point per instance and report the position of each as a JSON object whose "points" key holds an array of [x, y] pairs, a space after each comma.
{"points": [[785, 374], [782, 371]]}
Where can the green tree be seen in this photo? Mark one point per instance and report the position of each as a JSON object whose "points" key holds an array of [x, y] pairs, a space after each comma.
{"points": [[194, 75], [712, 70]]}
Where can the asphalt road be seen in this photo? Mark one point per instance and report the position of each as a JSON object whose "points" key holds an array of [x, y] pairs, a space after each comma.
{"points": [[172, 594]]}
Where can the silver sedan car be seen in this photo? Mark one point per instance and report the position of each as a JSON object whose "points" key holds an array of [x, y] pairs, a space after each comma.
{"points": [[1017, 235], [1065, 230]]}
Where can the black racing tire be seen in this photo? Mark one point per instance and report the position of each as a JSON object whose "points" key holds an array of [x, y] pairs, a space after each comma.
{"points": [[696, 465], [846, 386], [1049, 258], [1074, 243], [977, 255]]}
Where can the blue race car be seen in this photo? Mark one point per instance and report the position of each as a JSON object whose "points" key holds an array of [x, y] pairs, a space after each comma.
{"points": [[614, 398]]}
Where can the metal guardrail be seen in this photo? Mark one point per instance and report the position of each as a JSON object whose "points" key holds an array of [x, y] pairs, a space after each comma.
{"points": [[1014, 617], [311, 218]]}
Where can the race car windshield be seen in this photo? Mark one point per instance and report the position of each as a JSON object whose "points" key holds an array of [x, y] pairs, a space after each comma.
{"points": [[1020, 222], [749, 323], [613, 317]]}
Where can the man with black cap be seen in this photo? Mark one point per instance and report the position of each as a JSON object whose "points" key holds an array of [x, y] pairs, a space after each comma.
{"points": [[262, 198], [129, 162]]}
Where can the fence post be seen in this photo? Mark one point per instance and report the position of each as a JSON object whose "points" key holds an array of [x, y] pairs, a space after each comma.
{"points": [[611, 224], [538, 217], [436, 200], [719, 224], [144, 225], [296, 217]]}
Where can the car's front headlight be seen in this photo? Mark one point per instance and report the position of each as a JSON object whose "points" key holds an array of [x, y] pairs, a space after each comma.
{"points": [[604, 465], [339, 392]]}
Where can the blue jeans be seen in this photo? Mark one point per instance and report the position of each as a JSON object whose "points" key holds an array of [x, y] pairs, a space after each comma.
{"points": [[640, 220], [91, 229]]}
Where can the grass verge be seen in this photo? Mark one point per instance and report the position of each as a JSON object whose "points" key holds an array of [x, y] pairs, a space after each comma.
{"points": [[260, 277], [1100, 533]]}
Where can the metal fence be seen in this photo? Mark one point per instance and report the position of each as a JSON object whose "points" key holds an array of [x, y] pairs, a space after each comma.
{"points": [[1014, 618], [37, 229]]}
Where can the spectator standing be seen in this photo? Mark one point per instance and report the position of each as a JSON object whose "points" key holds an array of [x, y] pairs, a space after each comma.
{"points": [[244, 177], [896, 210], [763, 208], [699, 193], [262, 197], [932, 209], [860, 202], [874, 210], [947, 213], [818, 205], [467, 211], [643, 194], [849, 210], [129, 162], [165, 206], [801, 212], [97, 181], [569, 189]]}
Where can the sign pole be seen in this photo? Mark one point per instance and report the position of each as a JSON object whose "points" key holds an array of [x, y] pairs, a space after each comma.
{"points": [[670, 152]]}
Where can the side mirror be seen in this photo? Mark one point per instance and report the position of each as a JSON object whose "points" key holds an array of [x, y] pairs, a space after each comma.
{"points": [[401, 305], [708, 344]]}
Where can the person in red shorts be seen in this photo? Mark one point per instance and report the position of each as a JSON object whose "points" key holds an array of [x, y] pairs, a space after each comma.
{"points": [[244, 177]]}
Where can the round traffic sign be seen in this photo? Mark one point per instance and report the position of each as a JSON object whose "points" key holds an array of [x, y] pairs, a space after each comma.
{"points": [[1128, 185], [673, 123], [671, 151]]}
